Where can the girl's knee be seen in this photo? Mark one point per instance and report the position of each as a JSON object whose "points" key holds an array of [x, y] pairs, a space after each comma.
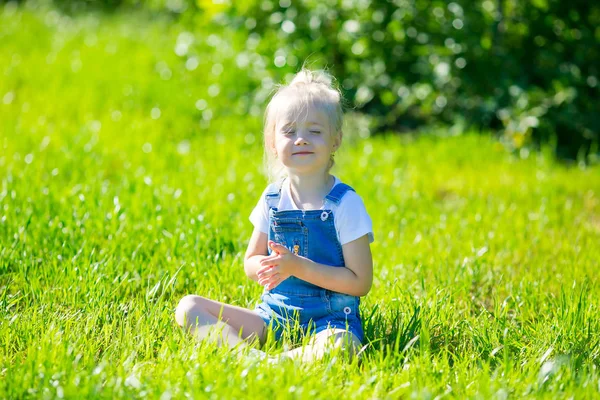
{"points": [[187, 306], [339, 338]]}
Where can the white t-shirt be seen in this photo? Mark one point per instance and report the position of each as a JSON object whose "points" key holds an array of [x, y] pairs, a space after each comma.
{"points": [[350, 217]]}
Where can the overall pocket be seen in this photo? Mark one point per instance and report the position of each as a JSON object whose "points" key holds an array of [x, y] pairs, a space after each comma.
{"points": [[290, 233], [343, 305]]}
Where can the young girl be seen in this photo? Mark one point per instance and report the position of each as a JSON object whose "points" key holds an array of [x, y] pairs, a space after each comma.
{"points": [[310, 248]]}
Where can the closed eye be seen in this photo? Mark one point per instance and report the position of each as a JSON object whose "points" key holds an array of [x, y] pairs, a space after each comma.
{"points": [[315, 131]]}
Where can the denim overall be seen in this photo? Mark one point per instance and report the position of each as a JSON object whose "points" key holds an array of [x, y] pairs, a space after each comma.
{"points": [[297, 303]]}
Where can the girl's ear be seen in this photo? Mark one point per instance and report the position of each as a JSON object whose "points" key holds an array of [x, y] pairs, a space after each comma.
{"points": [[337, 140], [271, 146]]}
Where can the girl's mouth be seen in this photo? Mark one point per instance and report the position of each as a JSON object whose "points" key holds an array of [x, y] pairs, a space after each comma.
{"points": [[302, 152]]}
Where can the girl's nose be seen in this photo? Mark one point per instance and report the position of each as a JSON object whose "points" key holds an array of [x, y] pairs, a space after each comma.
{"points": [[301, 139]]}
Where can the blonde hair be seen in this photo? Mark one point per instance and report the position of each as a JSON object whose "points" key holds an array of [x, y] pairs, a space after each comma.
{"points": [[307, 89]]}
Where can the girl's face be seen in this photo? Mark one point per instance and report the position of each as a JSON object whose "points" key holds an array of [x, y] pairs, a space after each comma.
{"points": [[303, 143]]}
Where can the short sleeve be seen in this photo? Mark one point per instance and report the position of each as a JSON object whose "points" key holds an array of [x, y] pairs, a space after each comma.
{"points": [[352, 220], [260, 214]]}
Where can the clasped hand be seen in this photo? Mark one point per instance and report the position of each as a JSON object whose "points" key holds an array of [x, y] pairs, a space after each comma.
{"points": [[277, 267]]}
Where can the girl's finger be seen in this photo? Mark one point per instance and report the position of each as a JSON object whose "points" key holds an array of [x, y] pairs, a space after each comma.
{"points": [[271, 256], [273, 278], [269, 260], [266, 271], [268, 275], [273, 249], [279, 248], [269, 284], [274, 283], [266, 281]]}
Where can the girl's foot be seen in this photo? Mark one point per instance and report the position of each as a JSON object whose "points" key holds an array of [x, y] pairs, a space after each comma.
{"points": [[255, 355]]}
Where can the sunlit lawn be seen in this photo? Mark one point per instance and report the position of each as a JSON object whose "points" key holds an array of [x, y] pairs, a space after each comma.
{"points": [[127, 174]]}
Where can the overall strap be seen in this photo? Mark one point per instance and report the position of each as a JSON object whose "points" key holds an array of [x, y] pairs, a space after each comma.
{"points": [[336, 194], [273, 194]]}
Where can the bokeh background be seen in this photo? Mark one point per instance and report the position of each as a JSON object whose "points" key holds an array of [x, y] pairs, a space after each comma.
{"points": [[527, 70]]}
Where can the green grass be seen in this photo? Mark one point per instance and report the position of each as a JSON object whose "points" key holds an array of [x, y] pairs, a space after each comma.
{"points": [[486, 264]]}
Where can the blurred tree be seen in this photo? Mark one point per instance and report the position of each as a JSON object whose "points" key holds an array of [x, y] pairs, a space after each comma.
{"points": [[526, 68], [529, 68]]}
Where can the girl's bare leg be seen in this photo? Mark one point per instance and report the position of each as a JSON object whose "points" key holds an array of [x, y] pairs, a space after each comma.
{"points": [[226, 324], [324, 342]]}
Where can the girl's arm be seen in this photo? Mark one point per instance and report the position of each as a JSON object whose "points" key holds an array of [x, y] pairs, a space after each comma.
{"points": [[354, 279], [255, 253]]}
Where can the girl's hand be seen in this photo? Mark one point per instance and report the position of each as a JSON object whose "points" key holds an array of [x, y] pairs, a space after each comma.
{"points": [[277, 267]]}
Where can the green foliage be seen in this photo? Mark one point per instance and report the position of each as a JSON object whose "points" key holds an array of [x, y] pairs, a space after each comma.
{"points": [[526, 69]]}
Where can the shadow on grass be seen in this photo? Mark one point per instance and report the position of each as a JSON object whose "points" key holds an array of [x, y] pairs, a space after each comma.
{"points": [[393, 332]]}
